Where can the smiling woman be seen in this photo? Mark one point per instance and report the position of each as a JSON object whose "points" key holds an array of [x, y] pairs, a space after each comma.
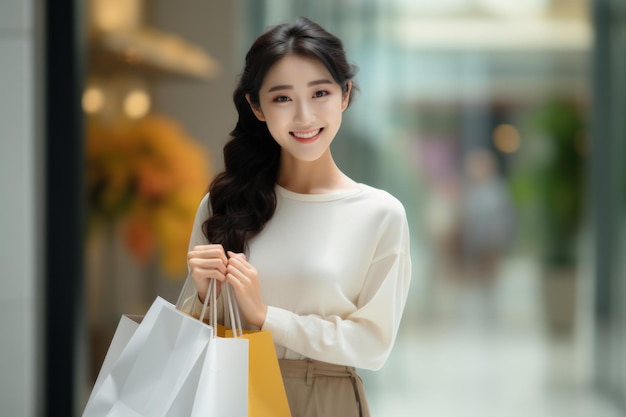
{"points": [[317, 259], [307, 108]]}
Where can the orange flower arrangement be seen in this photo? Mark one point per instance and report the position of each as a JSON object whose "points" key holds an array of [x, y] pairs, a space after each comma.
{"points": [[149, 176]]}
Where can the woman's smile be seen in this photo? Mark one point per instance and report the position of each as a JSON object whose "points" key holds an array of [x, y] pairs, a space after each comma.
{"points": [[307, 136], [301, 104]]}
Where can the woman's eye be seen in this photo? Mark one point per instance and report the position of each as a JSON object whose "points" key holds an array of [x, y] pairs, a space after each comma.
{"points": [[281, 99], [321, 93]]}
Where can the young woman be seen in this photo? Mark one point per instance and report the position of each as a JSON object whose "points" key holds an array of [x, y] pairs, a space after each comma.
{"points": [[317, 259]]}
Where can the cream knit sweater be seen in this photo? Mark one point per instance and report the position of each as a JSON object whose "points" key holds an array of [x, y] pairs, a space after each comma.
{"points": [[335, 272]]}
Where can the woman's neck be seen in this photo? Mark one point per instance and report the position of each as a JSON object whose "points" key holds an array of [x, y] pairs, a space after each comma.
{"points": [[322, 176]]}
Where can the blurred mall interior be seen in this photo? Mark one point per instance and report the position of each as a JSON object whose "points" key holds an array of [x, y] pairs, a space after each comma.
{"points": [[498, 123]]}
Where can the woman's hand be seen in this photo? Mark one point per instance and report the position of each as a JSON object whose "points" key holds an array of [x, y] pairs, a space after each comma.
{"points": [[207, 262], [245, 281]]}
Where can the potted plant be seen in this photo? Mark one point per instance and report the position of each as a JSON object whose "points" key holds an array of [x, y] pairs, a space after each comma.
{"points": [[560, 191]]}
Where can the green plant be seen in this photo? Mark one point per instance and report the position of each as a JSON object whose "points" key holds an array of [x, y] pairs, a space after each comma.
{"points": [[560, 184]]}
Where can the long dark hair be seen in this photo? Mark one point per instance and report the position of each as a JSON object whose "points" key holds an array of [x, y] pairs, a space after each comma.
{"points": [[243, 197]]}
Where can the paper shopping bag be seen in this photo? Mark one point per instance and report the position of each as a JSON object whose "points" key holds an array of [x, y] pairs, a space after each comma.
{"points": [[266, 390], [157, 371], [125, 329], [223, 388], [266, 396]]}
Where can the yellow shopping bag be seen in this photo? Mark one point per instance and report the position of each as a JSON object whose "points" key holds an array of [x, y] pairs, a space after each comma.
{"points": [[266, 390]]}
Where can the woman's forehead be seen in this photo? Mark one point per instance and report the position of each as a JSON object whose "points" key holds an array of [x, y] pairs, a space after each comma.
{"points": [[295, 71]]}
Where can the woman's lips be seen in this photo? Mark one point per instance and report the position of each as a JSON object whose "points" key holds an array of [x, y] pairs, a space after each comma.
{"points": [[308, 136]]}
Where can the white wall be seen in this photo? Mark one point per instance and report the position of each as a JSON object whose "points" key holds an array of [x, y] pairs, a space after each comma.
{"points": [[18, 213]]}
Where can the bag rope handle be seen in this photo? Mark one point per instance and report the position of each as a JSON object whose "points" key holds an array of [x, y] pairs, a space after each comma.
{"points": [[232, 310]]}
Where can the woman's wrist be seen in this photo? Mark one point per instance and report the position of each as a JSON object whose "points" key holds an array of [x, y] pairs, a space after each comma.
{"points": [[260, 320]]}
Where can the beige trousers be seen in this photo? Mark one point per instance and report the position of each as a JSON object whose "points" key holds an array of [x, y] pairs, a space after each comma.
{"points": [[320, 389]]}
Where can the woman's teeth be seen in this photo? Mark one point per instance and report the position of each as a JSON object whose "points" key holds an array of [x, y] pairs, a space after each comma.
{"points": [[306, 135]]}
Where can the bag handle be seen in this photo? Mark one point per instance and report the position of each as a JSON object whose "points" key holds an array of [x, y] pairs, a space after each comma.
{"points": [[233, 309], [205, 304], [231, 304]]}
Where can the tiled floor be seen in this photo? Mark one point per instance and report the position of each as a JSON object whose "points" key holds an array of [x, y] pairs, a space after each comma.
{"points": [[460, 358]]}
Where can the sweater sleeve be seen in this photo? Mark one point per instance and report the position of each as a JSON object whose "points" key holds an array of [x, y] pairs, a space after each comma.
{"points": [[197, 236], [363, 338], [188, 299]]}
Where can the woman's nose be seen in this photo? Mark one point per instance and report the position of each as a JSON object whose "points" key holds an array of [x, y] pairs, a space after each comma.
{"points": [[304, 113]]}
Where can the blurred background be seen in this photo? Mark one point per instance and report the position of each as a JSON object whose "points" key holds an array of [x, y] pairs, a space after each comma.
{"points": [[498, 123]]}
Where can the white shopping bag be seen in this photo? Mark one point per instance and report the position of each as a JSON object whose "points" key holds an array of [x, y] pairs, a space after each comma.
{"points": [[223, 388], [153, 371], [125, 329], [265, 391]]}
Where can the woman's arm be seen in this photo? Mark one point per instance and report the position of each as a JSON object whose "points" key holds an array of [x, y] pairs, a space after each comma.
{"points": [[363, 338]]}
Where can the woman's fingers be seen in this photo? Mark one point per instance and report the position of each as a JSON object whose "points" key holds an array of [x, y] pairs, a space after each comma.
{"points": [[239, 261], [243, 272], [211, 262], [207, 262], [233, 272], [237, 255], [208, 252], [245, 281]]}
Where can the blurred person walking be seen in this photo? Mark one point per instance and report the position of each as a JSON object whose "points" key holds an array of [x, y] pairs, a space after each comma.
{"points": [[487, 215], [487, 229]]}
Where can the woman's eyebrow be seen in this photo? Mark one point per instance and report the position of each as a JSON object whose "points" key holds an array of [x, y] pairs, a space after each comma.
{"points": [[290, 87], [318, 82]]}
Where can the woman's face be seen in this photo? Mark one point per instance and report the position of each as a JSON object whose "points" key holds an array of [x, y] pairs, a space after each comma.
{"points": [[302, 106]]}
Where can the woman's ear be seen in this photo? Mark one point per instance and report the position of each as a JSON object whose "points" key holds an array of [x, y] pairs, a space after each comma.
{"points": [[346, 97], [256, 109]]}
